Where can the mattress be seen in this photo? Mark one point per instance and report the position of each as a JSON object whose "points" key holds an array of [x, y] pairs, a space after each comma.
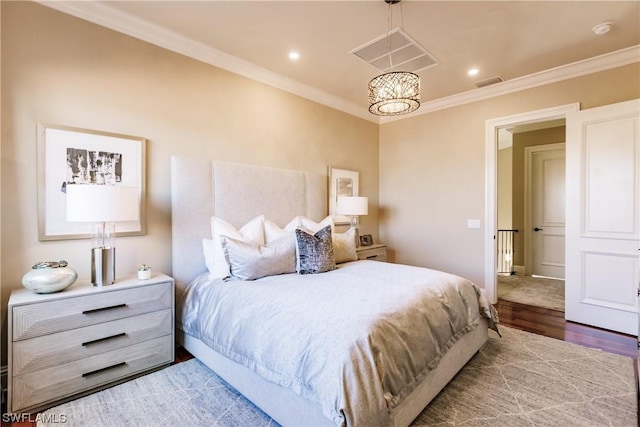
{"points": [[355, 340]]}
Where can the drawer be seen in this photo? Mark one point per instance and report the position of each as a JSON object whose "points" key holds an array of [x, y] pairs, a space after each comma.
{"points": [[47, 317], [40, 388], [375, 254], [63, 347]]}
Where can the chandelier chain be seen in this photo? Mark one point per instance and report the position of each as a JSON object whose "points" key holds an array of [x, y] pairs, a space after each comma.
{"points": [[389, 24]]}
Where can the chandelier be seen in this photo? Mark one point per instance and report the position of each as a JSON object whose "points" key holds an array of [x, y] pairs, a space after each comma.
{"points": [[396, 92]]}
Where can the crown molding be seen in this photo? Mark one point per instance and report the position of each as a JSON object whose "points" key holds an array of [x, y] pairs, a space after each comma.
{"points": [[102, 14], [596, 64]]}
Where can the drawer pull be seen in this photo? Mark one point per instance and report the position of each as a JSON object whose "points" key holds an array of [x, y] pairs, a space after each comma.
{"points": [[104, 308], [84, 344], [97, 371], [372, 256]]}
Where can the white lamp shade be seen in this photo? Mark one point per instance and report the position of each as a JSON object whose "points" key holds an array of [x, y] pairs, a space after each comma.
{"points": [[102, 203], [352, 206]]}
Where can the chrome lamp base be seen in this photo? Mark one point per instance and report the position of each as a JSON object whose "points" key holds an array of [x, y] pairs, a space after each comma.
{"points": [[103, 266], [354, 225]]}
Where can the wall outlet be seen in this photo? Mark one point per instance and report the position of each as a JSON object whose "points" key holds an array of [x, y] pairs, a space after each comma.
{"points": [[473, 223]]}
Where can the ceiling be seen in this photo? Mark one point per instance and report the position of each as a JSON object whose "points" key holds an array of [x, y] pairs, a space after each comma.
{"points": [[510, 39]]}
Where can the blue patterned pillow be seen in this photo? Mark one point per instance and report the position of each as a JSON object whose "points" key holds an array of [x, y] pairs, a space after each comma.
{"points": [[314, 251]]}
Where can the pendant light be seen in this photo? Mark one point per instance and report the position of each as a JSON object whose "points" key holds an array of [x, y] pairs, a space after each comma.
{"points": [[395, 92]]}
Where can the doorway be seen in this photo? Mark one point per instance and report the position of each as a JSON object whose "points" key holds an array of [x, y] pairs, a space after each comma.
{"points": [[530, 210], [534, 120], [602, 236]]}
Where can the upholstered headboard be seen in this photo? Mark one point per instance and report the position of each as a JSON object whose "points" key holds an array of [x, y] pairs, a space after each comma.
{"points": [[236, 193]]}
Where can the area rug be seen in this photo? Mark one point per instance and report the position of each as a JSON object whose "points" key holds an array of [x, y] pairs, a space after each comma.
{"points": [[536, 291], [520, 379]]}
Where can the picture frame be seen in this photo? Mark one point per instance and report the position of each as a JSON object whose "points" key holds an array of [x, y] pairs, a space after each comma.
{"points": [[366, 240], [68, 155], [342, 183]]}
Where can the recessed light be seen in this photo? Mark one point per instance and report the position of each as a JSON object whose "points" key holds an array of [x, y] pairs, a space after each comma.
{"points": [[602, 28], [294, 56], [473, 72]]}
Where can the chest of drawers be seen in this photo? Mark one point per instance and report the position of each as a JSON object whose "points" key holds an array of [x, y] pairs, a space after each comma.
{"points": [[85, 338], [375, 252]]}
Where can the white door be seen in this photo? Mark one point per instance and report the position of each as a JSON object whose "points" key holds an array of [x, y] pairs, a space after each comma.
{"points": [[603, 215], [546, 195]]}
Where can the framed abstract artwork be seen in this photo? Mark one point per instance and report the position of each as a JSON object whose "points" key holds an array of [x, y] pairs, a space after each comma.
{"points": [[342, 183], [69, 156]]}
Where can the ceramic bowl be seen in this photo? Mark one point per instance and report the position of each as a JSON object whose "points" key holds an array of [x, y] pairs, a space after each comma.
{"points": [[49, 276]]}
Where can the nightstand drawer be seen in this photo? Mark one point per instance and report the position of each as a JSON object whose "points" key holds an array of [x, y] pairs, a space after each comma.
{"points": [[374, 254], [49, 317], [58, 382], [65, 347]]}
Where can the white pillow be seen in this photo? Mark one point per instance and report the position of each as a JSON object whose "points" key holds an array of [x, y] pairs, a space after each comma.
{"points": [[252, 232], [249, 261], [313, 226], [344, 246], [273, 232]]}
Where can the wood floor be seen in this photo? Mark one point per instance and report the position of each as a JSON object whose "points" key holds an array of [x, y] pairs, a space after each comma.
{"points": [[537, 320], [551, 323]]}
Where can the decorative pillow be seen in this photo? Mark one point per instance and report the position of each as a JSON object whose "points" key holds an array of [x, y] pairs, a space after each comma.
{"points": [[344, 246], [314, 252], [252, 232], [249, 261]]}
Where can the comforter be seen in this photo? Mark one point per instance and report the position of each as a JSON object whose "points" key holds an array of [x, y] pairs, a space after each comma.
{"points": [[355, 340]]}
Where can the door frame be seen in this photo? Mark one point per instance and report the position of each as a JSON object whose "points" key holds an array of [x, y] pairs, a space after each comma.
{"points": [[491, 182], [528, 199]]}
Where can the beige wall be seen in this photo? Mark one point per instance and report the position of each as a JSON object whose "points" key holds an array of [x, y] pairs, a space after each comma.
{"points": [[61, 70], [520, 142], [432, 169]]}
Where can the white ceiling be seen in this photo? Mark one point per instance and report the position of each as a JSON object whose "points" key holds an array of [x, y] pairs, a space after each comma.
{"points": [[517, 40]]}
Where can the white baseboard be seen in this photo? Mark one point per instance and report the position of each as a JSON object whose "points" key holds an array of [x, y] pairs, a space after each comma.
{"points": [[519, 269]]}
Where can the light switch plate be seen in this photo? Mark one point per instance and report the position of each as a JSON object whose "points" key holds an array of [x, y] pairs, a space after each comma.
{"points": [[473, 223]]}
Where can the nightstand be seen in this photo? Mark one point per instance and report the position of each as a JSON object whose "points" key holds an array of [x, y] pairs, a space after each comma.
{"points": [[85, 338], [374, 252]]}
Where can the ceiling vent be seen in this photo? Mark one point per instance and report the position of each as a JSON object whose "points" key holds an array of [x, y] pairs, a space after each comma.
{"points": [[406, 53], [488, 82]]}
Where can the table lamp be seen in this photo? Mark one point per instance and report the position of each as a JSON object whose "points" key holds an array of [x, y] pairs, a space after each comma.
{"points": [[103, 205], [353, 207]]}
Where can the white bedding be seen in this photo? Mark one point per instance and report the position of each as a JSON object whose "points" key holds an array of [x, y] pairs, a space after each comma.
{"points": [[356, 340]]}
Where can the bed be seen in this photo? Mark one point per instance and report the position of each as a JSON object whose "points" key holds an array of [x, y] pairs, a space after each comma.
{"points": [[312, 380]]}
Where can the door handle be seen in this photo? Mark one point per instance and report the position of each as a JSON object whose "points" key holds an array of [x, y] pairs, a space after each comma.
{"points": [[537, 229]]}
